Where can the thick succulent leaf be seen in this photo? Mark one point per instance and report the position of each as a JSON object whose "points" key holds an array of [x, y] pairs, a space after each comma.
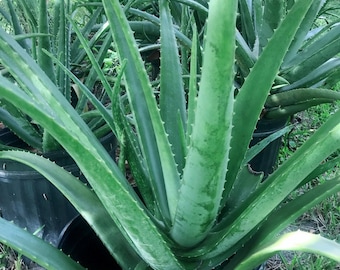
{"points": [[77, 55], [306, 25], [281, 217], [172, 100], [23, 68], [5, 14], [184, 40], [86, 203], [289, 110], [58, 117], [333, 78], [301, 95], [256, 149], [44, 41], [297, 241], [62, 49], [206, 163], [104, 112], [18, 122], [192, 96], [277, 187], [322, 168], [244, 56], [152, 136], [329, 71], [273, 13], [257, 12], [253, 94], [248, 27], [316, 54], [93, 75], [246, 183], [194, 4], [34, 248], [14, 19]]}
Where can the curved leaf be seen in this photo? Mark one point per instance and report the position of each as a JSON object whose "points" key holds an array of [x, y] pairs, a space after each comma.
{"points": [[281, 217], [86, 203], [58, 117], [253, 94], [298, 241], [152, 136], [172, 100], [206, 164], [34, 248]]}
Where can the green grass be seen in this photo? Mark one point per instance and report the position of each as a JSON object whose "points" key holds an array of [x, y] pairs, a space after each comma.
{"points": [[10, 260]]}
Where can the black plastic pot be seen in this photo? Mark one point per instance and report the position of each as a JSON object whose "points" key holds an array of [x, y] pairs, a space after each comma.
{"points": [[30, 200], [266, 160], [83, 245]]}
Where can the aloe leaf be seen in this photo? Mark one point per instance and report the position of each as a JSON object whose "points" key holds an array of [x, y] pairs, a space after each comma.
{"points": [[44, 41], [87, 92], [86, 203], [34, 248], [154, 143], [268, 21], [273, 13], [327, 70], [297, 241], [78, 55], [180, 36], [129, 148], [332, 79], [194, 4], [245, 184], [62, 51], [322, 168], [278, 185], [172, 100], [206, 164], [192, 96], [248, 27], [254, 150], [58, 117], [16, 24], [92, 77], [281, 217], [301, 95], [4, 13], [257, 13], [300, 36], [244, 56], [23, 68], [314, 55], [12, 118], [249, 106], [286, 111]]}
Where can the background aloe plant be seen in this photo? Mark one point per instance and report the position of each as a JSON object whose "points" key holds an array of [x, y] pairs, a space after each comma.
{"points": [[311, 65], [40, 27], [200, 207]]}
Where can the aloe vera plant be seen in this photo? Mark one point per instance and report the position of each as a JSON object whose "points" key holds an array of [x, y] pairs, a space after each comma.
{"points": [[311, 65], [199, 206], [38, 28]]}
